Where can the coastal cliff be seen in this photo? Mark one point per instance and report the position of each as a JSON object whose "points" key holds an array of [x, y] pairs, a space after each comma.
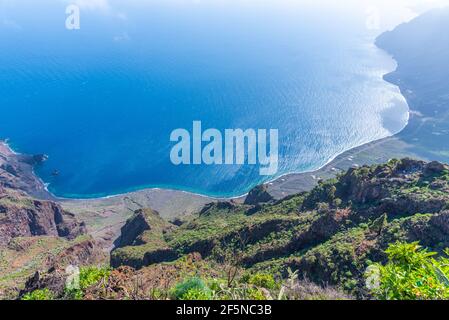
{"points": [[330, 236], [35, 235], [421, 48], [38, 236], [16, 172], [23, 216], [315, 244]]}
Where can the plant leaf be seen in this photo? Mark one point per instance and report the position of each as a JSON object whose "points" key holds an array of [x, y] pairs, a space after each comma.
{"points": [[441, 276]]}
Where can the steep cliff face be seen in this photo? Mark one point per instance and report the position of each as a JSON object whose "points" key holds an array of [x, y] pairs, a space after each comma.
{"points": [[22, 216], [142, 241], [37, 236], [328, 234], [258, 195], [52, 272], [421, 49], [16, 172]]}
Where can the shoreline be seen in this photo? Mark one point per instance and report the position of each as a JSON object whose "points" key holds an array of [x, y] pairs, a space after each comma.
{"points": [[7, 150], [104, 216], [278, 181], [289, 183], [316, 174], [348, 153]]}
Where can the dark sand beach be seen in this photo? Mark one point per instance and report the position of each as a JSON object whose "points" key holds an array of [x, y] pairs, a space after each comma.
{"points": [[425, 137], [105, 216]]}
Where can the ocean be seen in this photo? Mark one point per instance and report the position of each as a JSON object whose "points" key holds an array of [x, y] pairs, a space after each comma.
{"points": [[102, 101]]}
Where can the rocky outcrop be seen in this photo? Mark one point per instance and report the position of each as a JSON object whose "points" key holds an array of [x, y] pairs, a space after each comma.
{"points": [[78, 253], [22, 216], [134, 228], [142, 242], [328, 235], [435, 168], [82, 253], [140, 227], [16, 172], [38, 237], [220, 205], [441, 221], [258, 195]]}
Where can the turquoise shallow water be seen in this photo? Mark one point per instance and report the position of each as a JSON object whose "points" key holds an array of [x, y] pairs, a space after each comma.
{"points": [[103, 100]]}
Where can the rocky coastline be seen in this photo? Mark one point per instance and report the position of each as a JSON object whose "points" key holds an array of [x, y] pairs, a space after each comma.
{"points": [[325, 226]]}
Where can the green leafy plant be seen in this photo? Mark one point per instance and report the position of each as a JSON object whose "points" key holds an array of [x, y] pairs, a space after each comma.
{"points": [[263, 280], [197, 294], [42, 294], [192, 289], [412, 273], [88, 277]]}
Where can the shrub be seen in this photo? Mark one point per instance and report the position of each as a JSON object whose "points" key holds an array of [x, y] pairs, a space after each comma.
{"points": [[192, 289], [263, 280], [196, 294], [412, 273], [92, 275], [88, 277], [43, 294], [255, 294]]}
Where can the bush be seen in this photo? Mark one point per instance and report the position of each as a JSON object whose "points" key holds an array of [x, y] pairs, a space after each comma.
{"points": [[412, 273], [263, 280], [192, 289], [196, 294], [255, 294], [88, 277], [43, 294]]}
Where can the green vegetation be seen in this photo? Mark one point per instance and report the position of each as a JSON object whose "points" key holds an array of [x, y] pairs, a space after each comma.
{"points": [[313, 246], [43, 294], [88, 276], [330, 235], [192, 289], [263, 280], [33, 254], [412, 273], [141, 247], [216, 289]]}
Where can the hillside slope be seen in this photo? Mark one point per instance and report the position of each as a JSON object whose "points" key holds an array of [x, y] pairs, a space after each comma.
{"points": [[36, 236], [329, 235], [421, 48]]}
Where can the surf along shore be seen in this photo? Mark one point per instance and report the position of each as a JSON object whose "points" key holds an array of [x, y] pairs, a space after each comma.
{"points": [[105, 216]]}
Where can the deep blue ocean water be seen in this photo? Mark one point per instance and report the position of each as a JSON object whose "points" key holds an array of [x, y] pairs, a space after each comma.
{"points": [[102, 101]]}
